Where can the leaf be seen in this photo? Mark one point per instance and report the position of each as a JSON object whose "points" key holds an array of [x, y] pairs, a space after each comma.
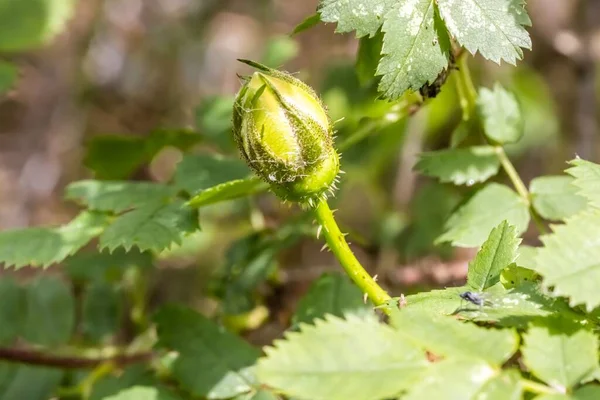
{"points": [[50, 315], [555, 197], [200, 172], [356, 358], [28, 24], [12, 310], [465, 379], [570, 259], [135, 375], [589, 392], [470, 225], [587, 179], [514, 276], [491, 27], [415, 50], [279, 50], [447, 337], [46, 246], [332, 294], [20, 382], [144, 393], [116, 196], [8, 76], [101, 311], [501, 114], [118, 156], [105, 267], [152, 227], [214, 120], [228, 191], [460, 166], [212, 362], [498, 251], [364, 17], [560, 353], [368, 56], [308, 23]]}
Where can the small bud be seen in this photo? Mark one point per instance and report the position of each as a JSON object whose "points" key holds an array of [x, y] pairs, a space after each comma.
{"points": [[283, 132]]}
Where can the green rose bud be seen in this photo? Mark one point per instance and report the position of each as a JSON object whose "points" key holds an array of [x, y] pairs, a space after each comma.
{"points": [[284, 134]]}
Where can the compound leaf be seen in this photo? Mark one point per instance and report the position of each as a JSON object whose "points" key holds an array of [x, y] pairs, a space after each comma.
{"points": [[335, 359], [555, 197], [501, 115], [460, 166], [587, 179], [363, 16], [492, 27]]}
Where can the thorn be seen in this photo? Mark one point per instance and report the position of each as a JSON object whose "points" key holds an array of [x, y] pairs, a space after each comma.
{"points": [[402, 302], [324, 247], [319, 230], [365, 297], [345, 234], [375, 277], [342, 172]]}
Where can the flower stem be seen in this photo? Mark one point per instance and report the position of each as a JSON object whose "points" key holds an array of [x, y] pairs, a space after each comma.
{"points": [[343, 253]]}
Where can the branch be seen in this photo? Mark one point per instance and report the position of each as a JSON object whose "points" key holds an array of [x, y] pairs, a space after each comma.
{"points": [[42, 358]]}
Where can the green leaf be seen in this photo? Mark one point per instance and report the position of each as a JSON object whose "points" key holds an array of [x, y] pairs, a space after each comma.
{"points": [[50, 316], [105, 267], [555, 197], [8, 76], [446, 336], [356, 358], [12, 310], [415, 49], [200, 172], [116, 196], [501, 114], [587, 179], [135, 375], [308, 23], [491, 27], [367, 59], [20, 382], [498, 251], [152, 227], [144, 393], [212, 362], [514, 276], [332, 294], [279, 50], [214, 120], [589, 392], [46, 246], [471, 224], [28, 24], [460, 166], [560, 353], [570, 259], [117, 156], [363, 16], [228, 191], [101, 311]]}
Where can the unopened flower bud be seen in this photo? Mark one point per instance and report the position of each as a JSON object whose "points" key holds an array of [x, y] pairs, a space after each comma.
{"points": [[283, 132]]}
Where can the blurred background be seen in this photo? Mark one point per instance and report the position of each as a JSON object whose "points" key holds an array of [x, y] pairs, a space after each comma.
{"points": [[130, 67]]}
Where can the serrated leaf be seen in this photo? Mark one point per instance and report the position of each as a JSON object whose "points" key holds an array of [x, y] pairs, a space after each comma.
{"points": [[331, 294], [12, 310], [570, 259], [105, 267], [587, 179], [116, 196], [152, 227], [8, 76], [20, 382], [144, 393], [498, 251], [200, 172], [28, 24], [336, 359], [50, 316], [446, 336], [118, 156], [470, 225], [46, 246], [491, 27], [212, 362], [363, 16], [101, 311], [501, 114], [555, 197], [466, 379], [228, 191], [415, 49], [560, 353], [460, 166]]}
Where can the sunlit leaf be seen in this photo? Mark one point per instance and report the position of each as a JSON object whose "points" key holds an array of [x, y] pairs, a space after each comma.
{"points": [[228, 191], [501, 114], [587, 179], [363, 16], [555, 197], [200, 172]]}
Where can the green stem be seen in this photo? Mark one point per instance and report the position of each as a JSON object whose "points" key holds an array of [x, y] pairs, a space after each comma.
{"points": [[534, 387], [337, 243], [466, 90]]}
